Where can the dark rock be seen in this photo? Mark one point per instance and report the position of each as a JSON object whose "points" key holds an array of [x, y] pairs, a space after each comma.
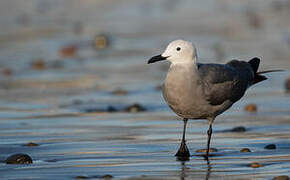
{"points": [[256, 165], [107, 176], [134, 108], [239, 129], [204, 150], [120, 92], [281, 178], [111, 109], [82, 177], [251, 108], [245, 150], [31, 144], [270, 146], [19, 159]]}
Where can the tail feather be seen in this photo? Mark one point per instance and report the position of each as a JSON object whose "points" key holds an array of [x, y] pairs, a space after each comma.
{"points": [[255, 62], [258, 78]]}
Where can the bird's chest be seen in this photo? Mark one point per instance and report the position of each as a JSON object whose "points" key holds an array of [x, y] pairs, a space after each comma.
{"points": [[181, 91]]}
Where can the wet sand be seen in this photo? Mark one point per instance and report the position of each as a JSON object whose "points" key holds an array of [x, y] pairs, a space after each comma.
{"points": [[58, 97]]}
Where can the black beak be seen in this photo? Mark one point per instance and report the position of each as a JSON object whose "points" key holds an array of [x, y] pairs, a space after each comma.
{"points": [[156, 58]]}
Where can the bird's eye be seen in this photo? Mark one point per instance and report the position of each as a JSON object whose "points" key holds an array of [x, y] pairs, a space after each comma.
{"points": [[178, 49]]}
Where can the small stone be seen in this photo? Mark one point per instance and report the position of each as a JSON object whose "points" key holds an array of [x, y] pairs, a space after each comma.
{"points": [[287, 85], [82, 177], [101, 41], [256, 165], [19, 159], [111, 109], [239, 129], [120, 92], [38, 64], [107, 176], [245, 150], [31, 144], [270, 146], [204, 150], [281, 178], [68, 51], [251, 108], [7, 72], [134, 108]]}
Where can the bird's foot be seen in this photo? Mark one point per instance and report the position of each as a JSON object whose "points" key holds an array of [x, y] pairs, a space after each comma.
{"points": [[183, 152]]}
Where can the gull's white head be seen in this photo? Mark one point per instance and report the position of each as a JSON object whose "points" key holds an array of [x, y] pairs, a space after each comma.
{"points": [[178, 51]]}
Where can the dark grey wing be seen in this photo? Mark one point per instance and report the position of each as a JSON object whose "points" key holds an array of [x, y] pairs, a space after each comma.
{"points": [[223, 82]]}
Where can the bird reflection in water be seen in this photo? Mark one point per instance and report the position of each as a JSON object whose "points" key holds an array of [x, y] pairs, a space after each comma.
{"points": [[184, 169]]}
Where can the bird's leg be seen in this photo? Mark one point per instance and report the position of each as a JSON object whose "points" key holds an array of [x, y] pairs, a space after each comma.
{"points": [[209, 132], [183, 150]]}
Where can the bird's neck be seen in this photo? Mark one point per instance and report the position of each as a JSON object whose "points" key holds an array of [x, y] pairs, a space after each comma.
{"points": [[190, 64], [183, 71], [185, 62]]}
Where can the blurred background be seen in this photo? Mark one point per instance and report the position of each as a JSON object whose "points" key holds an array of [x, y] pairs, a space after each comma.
{"points": [[56, 48], [66, 65]]}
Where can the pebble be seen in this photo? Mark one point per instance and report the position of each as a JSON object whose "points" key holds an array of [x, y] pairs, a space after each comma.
{"points": [[120, 92], [287, 84], [82, 177], [131, 109], [239, 129], [256, 165], [101, 41], [245, 150], [31, 144], [111, 109], [19, 159], [68, 51], [38, 64], [107, 176], [251, 108], [281, 178], [270, 146], [134, 108], [204, 150], [7, 72]]}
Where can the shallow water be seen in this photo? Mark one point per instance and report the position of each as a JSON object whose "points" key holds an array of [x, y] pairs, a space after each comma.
{"points": [[60, 104]]}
